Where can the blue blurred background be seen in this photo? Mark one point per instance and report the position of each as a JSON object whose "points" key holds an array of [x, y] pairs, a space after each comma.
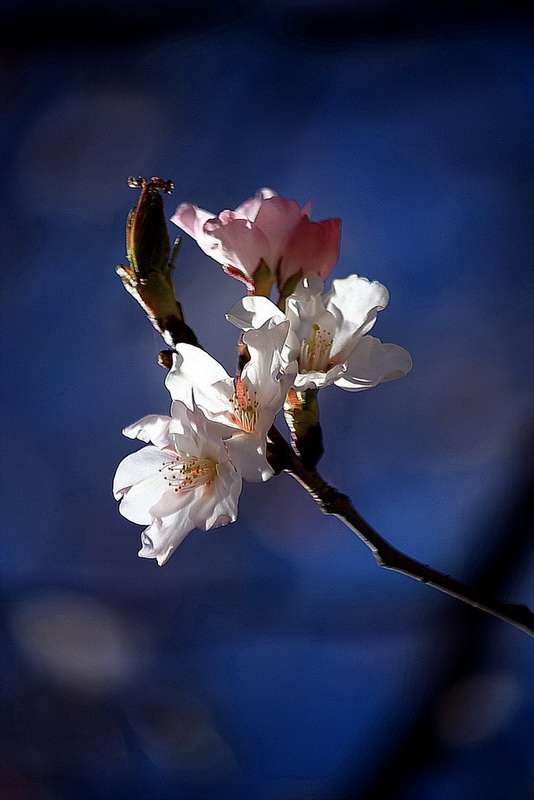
{"points": [[272, 659]]}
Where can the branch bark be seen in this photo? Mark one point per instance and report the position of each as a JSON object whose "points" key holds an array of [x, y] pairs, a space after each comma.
{"points": [[333, 502]]}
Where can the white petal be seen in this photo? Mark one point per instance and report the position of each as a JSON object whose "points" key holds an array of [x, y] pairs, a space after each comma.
{"points": [[253, 312], [139, 497], [305, 302], [247, 452], [152, 428], [183, 429], [216, 502], [197, 377], [137, 467], [211, 433], [372, 362], [163, 536], [355, 303], [265, 365], [315, 379], [274, 400], [313, 284], [171, 500]]}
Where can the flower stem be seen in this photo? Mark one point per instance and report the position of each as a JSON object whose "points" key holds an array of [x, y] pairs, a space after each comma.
{"points": [[301, 412]]}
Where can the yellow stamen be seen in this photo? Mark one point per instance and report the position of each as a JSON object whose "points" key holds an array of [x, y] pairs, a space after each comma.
{"points": [[315, 351], [188, 472], [246, 407]]}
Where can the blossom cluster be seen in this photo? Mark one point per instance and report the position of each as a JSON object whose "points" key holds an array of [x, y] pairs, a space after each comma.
{"points": [[190, 473]]}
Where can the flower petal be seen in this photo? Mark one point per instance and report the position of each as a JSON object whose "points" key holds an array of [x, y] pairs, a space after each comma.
{"points": [[152, 428], [191, 219], [253, 312], [137, 467], [305, 302], [247, 452], [355, 303], [140, 483], [372, 362], [186, 430], [238, 243], [249, 209], [277, 218], [198, 378], [163, 536], [316, 379], [312, 247], [262, 371], [216, 502], [171, 500]]}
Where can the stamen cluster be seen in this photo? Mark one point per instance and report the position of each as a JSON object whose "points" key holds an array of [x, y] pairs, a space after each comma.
{"points": [[187, 473]]}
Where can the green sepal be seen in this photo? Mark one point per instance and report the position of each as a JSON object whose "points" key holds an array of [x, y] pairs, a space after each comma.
{"points": [[263, 279], [287, 289]]}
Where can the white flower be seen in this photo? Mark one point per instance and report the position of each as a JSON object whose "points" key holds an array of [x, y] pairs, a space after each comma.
{"points": [[248, 406], [184, 481], [328, 333]]}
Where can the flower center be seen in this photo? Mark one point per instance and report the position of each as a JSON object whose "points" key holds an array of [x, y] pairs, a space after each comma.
{"points": [[246, 407], [188, 472], [315, 351]]}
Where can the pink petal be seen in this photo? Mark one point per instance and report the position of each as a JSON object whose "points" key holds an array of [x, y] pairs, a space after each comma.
{"points": [[277, 218], [312, 247], [240, 276], [238, 243], [249, 209], [191, 219]]}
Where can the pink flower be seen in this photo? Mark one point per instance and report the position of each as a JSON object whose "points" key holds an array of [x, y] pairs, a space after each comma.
{"points": [[267, 238]]}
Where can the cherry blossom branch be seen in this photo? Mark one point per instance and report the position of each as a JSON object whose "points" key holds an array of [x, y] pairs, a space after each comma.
{"points": [[333, 502], [148, 279]]}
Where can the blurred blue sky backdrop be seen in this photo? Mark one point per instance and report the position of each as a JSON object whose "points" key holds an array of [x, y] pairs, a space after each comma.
{"points": [[272, 659]]}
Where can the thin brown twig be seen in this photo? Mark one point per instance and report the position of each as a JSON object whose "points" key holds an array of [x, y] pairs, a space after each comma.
{"points": [[333, 502]]}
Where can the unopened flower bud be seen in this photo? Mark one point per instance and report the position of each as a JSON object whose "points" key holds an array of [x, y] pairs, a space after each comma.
{"points": [[148, 276], [147, 238]]}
